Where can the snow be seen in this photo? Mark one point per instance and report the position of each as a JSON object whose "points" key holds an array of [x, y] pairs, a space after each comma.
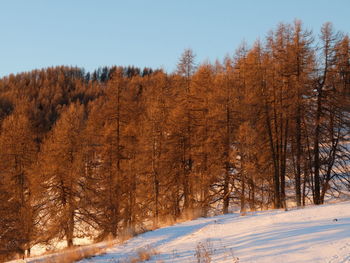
{"points": [[312, 234]]}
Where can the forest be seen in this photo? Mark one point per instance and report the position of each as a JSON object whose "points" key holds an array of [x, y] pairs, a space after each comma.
{"points": [[114, 151]]}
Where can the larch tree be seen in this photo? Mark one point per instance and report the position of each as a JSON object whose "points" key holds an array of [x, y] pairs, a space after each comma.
{"points": [[322, 84], [61, 168], [202, 110], [156, 96], [18, 153], [186, 68]]}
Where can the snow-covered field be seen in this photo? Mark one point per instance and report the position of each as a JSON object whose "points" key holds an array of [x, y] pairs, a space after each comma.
{"points": [[312, 234]]}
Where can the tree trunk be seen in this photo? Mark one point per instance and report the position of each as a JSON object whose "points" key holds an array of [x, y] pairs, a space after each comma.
{"points": [[298, 158], [243, 194], [226, 194], [283, 165], [70, 228], [317, 197]]}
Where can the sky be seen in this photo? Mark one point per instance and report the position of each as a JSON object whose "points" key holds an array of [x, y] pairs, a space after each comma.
{"points": [[92, 33]]}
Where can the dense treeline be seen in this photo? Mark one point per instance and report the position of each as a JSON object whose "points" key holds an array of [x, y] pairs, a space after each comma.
{"points": [[104, 153]]}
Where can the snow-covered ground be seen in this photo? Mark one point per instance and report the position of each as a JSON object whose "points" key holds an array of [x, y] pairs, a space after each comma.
{"points": [[312, 234]]}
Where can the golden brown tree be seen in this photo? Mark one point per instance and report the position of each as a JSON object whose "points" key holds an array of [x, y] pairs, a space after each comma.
{"points": [[61, 168]]}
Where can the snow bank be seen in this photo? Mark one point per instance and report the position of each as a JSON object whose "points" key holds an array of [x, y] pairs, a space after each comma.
{"points": [[312, 234]]}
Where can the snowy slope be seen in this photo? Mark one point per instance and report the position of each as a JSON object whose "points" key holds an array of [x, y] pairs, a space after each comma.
{"points": [[307, 235]]}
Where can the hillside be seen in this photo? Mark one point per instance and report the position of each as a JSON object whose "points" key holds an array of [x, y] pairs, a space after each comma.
{"points": [[312, 234], [95, 155]]}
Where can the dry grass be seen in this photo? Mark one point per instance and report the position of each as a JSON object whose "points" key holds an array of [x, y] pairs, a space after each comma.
{"points": [[189, 214], [142, 254], [77, 253], [204, 252]]}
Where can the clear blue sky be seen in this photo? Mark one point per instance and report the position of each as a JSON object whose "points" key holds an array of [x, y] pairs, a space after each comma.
{"points": [[93, 33]]}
